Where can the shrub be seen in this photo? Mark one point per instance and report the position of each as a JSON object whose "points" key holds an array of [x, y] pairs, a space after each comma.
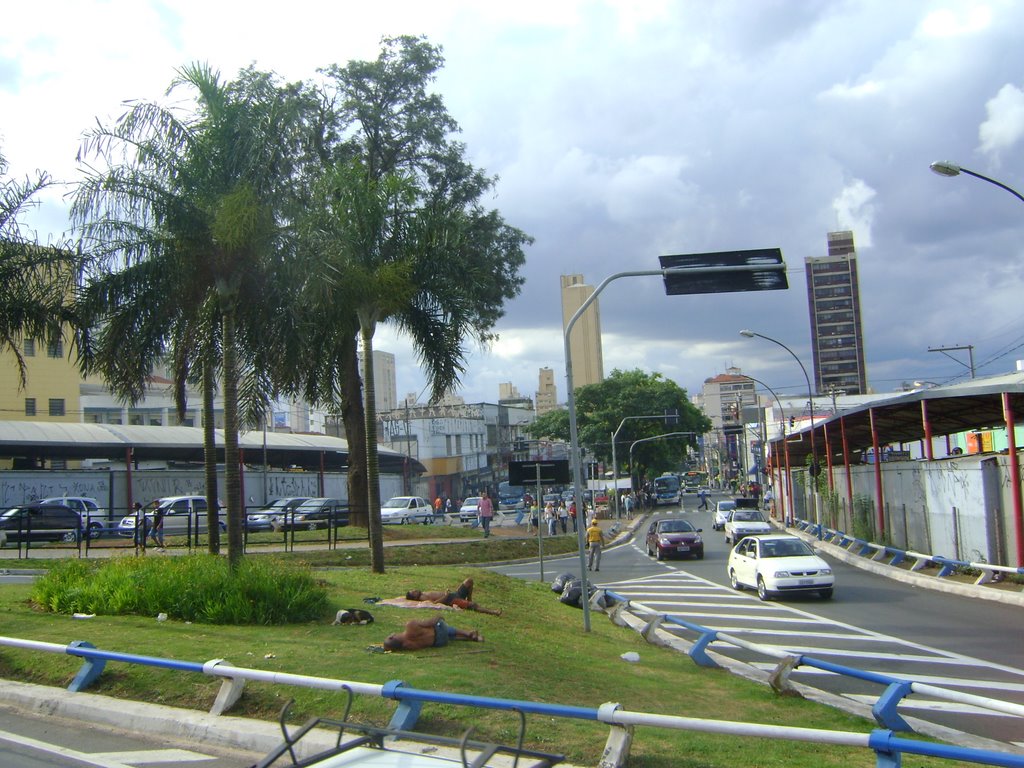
{"points": [[200, 588]]}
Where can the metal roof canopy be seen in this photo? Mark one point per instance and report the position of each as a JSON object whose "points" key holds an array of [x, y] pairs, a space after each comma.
{"points": [[72, 440], [972, 405]]}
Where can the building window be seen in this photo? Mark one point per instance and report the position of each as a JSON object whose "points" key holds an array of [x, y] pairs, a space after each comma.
{"points": [[30, 406], [29, 348], [55, 349], [56, 406]]}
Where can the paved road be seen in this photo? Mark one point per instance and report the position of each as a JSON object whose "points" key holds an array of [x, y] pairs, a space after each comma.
{"points": [[873, 623], [31, 741]]}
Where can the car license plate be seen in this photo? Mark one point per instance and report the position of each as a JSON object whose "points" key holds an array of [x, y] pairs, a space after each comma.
{"points": [[803, 582], [683, 548]]}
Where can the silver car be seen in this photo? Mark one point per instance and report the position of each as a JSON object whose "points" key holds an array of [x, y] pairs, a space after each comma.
{"points": [[181, 515]]}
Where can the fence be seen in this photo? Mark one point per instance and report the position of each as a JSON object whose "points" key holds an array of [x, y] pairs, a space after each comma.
{"points": [[888, 748], [987, 572]]}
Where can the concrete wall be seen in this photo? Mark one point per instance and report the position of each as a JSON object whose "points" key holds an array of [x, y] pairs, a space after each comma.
{"points": [[109, 487], [958, 507]]}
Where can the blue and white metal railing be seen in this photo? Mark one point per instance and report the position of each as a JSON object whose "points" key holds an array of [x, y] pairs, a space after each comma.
{"points": [[884, 710], [888, 748]]}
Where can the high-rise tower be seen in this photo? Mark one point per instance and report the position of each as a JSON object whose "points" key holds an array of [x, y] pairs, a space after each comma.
{"points": [[837, 337], [585, 339]]}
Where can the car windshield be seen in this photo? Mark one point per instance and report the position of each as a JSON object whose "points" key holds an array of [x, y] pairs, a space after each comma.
{"points": [[785, 548], [397, 503], [310, 506], [472, 501], [278, 505], [747, 516], [675, 526], [727, 505]]}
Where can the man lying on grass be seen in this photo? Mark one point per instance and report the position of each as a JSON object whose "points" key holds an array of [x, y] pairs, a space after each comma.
{"points": [[427, 633]]}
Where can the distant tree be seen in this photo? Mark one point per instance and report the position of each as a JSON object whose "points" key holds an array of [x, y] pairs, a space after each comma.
{"points": [[601, 407], [395, 232], [37, 282]]}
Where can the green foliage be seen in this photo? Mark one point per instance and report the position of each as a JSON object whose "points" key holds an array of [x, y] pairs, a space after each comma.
{"points": [[863, 519], [198, 588], [602, 407]]}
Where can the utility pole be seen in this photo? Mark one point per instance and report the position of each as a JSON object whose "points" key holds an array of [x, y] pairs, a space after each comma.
{"points": [[947, 350]]}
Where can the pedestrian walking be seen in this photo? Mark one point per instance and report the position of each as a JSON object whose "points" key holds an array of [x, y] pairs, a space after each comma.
{"points": [[595, 541], [703, 493], [485, 511]]}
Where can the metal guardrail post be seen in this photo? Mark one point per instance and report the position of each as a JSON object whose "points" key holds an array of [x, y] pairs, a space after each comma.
{"points": [[91, 668], [884, 709]]}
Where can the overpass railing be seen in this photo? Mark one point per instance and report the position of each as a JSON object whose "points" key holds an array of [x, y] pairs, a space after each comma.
{"points": [[888, 748]]}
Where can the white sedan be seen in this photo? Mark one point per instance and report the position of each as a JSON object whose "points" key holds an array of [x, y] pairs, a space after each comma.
{"points": [[745, 522], [779, 564], [406, 509], [722, 510]]}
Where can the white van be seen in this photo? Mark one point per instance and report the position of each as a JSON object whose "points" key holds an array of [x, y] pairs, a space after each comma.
{"points": [[181, 515]]}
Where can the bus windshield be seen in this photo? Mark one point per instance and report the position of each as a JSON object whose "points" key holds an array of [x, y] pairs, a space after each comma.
{"points": [[666, 488]]}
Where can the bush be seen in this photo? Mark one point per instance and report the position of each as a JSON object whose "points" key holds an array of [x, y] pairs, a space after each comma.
{"points": [[199, 588]]}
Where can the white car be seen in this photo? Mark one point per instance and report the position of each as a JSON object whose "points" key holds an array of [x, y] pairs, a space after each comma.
{"points": [[779, 564], [469, 512], [745, 522], [406, 509], [722, 510]]}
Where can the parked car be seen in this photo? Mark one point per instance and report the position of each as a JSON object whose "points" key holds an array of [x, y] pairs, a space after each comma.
{"points": [[674, 537], [40, 522], [722, 510], [93, 517], [271, 517], [182, 515], [779, 564], [318, 513], [406, 509], [470, 510], [745, 522]]}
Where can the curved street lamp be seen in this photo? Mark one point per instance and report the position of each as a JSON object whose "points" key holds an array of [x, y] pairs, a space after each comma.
{"points": [[946, 168], [813, 471]]}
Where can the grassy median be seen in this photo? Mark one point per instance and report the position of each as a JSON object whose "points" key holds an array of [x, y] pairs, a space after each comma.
{"points": [[536, 650]]}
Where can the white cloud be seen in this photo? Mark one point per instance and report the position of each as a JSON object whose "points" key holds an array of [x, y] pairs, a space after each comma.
{"points": [[854, 211], [1005, 124], [860, 91], [966, 19]]}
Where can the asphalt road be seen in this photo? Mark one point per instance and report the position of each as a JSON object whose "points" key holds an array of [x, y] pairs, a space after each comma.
{"points": [[32, 741], [872, 623]]}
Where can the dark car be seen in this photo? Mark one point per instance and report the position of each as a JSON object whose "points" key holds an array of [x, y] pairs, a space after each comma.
{"points": [[317, 513], [668, 538], [40, 522]]}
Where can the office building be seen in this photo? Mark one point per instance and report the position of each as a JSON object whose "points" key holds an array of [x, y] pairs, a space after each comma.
{"points": [[585, 339], [547, 395], [837, 337]]}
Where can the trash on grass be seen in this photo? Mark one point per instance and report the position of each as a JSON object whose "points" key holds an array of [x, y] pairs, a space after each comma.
{"points": [[630, 656]]}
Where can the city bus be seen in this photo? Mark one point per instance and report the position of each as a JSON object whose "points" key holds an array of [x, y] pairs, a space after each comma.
{"points": [[667, 489]]}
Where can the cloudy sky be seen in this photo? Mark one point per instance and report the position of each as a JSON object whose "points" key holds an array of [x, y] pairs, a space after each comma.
{"points": [[624, 130]]}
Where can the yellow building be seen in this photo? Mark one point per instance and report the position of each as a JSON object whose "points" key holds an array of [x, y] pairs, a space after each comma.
{"points": [[52, 382]]}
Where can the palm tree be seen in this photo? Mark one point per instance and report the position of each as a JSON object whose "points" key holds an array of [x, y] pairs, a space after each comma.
{"points": [[37, 282], [396, 234], [183, 215]]}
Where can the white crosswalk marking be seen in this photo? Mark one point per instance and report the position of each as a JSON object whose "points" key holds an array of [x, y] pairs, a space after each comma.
{"points": [[108, 759], [787, 629]]}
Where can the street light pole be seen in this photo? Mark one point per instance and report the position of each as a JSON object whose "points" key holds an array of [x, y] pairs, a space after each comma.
{"points": [[813, 470], [946, 168]]}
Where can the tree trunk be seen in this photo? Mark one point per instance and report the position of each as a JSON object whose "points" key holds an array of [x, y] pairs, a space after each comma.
{"points": [[355, 434], [210, 460], [372, 467], [232, 470]]}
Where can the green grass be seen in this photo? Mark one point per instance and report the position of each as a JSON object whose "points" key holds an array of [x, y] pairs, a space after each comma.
{"points": [[537, 650]]}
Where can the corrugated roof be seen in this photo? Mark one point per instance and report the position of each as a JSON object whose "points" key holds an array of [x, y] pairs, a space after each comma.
{"points": [[971, 405], [72, 440]]}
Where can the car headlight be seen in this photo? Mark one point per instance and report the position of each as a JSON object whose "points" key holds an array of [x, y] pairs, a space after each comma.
{"points": [[825, 572], [782, 574], [697, 540]]}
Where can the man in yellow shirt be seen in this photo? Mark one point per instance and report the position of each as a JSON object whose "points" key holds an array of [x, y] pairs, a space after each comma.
{"points": [[595, 540]]}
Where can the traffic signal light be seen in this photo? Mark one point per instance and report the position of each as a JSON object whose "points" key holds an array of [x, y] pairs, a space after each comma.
{"points": [[792, 421]]}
